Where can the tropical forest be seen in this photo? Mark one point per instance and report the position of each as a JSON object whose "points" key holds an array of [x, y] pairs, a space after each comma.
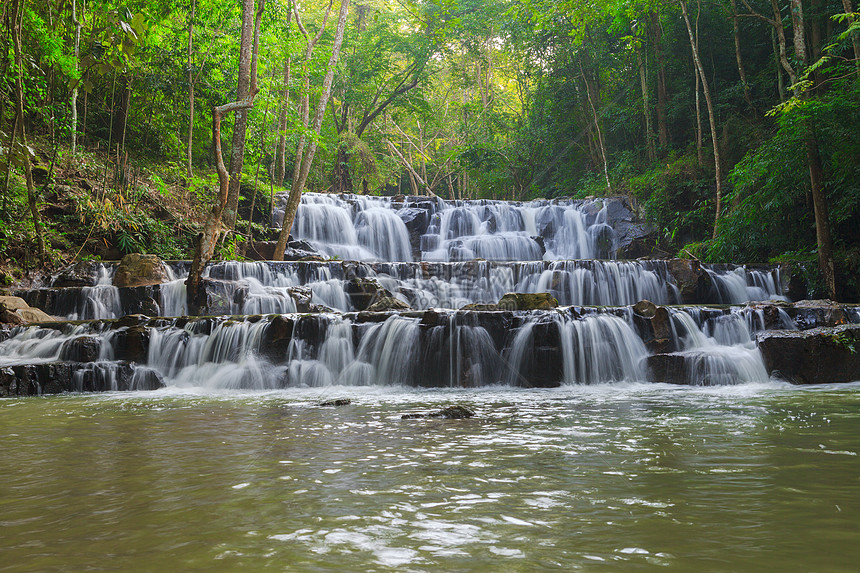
{"points": [[429, 285]]}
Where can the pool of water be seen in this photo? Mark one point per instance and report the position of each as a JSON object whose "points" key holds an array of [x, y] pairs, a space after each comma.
{"points": [[593, 478]]}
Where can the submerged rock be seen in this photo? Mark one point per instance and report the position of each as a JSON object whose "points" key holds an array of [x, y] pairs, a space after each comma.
{"points": [[337, 402], [139, 270], [456, 412], [817, 356]]}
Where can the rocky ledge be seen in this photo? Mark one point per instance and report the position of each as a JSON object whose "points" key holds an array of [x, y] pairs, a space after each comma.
{"points": [[821, 355]]}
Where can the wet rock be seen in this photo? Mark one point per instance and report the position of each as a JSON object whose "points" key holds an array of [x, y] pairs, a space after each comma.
{"points": [[277, 336], [82, 274], [645, 308], [456, 412], [81, 349], [416, 220], [690, 279], [302, 296], [138, 270], [140, 300], [336, 402], [364, 292], [130, 320], [527, 301], [817, 356], [669, 368], [132, 344], [387, 303], [656, 330], [302, 251], [146, 379]]}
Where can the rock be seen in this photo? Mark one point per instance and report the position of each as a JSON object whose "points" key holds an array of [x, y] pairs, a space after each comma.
{"points": [[645, 308], [130, 320], [416, 220], [387, 303], [363, 292], [13, 303], [448, 413], [337, 402], [34, 315], [656, 330], [817, 356], [480, 307], [82, 274], [668, 368], [11, 318], [527, 301], [260, 250], [81, 349], [689, 277], [139, 270], [302, 251], [302, 296]]}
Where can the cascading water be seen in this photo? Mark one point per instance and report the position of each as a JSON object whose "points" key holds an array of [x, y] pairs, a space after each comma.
{"points": [[471, 252]]}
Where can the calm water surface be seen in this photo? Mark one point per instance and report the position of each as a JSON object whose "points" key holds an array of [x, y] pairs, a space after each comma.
{"points": [[607, 478]]}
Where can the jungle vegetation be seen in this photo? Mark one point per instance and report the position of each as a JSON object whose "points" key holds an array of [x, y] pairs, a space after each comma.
{"points": [[142, 125]]}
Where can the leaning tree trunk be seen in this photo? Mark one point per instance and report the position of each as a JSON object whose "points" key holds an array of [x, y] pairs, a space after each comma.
{"points": [[188, 156], [301, 176], [711, 118], [208, 239], [741, 70], [240, 126]]}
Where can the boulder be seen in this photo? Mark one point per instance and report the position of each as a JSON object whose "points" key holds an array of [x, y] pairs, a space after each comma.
{"points": [[822, 355], [527, 301], [689, 277], [139, 270], [81, 274], [645, 308], [13, 303], [32, 315], [363, 292]]}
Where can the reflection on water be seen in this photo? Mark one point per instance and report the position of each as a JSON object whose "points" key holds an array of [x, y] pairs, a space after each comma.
{"points": [[741, 478]]}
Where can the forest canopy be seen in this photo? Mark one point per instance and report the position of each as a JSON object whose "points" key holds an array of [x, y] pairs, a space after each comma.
{"points": [[733, 123]]}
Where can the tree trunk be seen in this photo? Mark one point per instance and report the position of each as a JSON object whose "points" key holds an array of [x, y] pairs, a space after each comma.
{"points": [[662, 91], [189, 169], [822, 216], [300, 178], [855, 37], [697, 80], [74, 102], [596, 119], [711, 118], [22, 132], [741, 70], [208, 239], [240, 125], [780, 83], [646, 108], [281, 153]]}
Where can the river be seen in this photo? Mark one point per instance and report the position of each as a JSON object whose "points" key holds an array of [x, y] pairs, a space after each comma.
{"points": [[757, 477]]}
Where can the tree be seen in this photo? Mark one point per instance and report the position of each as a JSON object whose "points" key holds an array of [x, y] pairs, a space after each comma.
{"points": [[207, 240], [305, 157]]}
